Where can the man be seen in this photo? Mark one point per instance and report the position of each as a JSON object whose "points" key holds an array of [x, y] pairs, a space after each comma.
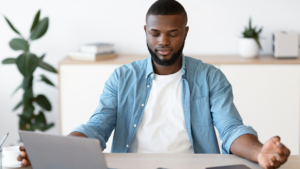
{"points": [[170, 103]]}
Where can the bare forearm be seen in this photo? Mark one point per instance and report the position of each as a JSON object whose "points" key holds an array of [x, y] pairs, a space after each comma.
{"points": [[77, 134], [246, 146]]}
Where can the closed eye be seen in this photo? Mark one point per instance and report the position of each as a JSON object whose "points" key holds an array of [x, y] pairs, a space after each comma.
{"points": [[154, 35]]}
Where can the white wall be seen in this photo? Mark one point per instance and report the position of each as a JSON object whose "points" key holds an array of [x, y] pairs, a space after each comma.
{"points": [[215, 27]]}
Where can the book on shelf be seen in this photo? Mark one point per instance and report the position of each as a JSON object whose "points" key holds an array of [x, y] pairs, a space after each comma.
{"points": [[96, 48], [76, 55]]}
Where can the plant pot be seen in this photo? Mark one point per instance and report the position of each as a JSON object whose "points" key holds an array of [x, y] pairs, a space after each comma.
{"points": [[248, 48]]}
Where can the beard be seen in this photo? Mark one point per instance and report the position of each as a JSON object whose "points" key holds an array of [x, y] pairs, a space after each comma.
{"points": [[168, 62]]}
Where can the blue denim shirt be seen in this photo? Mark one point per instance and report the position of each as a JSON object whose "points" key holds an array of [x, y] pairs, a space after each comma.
{"points": [[207, 101]]}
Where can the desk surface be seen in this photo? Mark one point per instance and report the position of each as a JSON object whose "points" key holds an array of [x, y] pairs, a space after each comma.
{"points": [[211, 59], [183, 161]]}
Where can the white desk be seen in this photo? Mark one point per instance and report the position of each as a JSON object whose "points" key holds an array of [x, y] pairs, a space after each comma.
{"points": [[183, 161]]}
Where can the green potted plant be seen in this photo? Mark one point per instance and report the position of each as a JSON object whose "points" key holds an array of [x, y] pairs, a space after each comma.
{"points": [[27, 62], [249, 43]]}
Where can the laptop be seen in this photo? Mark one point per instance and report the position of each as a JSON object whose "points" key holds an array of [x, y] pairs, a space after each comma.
{"points": [[62, 152]]}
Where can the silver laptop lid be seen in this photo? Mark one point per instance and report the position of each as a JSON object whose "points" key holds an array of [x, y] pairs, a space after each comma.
{"points": [[62, 152]]}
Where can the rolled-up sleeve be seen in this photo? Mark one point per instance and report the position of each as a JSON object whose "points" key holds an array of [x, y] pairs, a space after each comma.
{"points": [[226, 118], [103, 121]]}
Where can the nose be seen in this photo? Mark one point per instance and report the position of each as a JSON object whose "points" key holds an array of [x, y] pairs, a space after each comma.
{"points": [[164, 40]]}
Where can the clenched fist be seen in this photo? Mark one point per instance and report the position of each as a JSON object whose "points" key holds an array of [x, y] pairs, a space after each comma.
{"points": [[273, 154]]}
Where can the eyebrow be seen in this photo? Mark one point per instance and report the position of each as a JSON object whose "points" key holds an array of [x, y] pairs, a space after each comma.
{"points": [[173, 30], [155, 30]]}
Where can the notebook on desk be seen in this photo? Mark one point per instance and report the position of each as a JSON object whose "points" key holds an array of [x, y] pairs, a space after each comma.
{"points": [[62, 152]]}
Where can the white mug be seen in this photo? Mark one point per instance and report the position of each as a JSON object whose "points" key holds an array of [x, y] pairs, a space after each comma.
{"points": [[10, 155]]}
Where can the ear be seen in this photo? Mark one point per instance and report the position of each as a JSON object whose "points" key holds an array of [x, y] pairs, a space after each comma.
{"points": [[145, 28], [186, 30]]}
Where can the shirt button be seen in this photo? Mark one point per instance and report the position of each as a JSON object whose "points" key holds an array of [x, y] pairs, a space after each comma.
{"points": [[142, 105], [127, 145], [148, 86], [134, 125]]}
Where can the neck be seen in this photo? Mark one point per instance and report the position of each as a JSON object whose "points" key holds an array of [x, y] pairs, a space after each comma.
{"points": [[167, 70]]}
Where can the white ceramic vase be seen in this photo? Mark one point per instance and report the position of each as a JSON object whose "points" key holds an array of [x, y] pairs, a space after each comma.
{"points": [[248, 48]]}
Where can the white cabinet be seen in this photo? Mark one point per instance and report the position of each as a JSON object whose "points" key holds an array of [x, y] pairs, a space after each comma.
{"points": [[267, 97], [80, 88]]}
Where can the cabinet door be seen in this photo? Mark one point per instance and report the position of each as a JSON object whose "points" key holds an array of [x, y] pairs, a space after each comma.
{"points": [[80, 90], [267, 98]]}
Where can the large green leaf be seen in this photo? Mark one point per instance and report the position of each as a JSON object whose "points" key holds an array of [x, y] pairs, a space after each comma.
{"points": [[47, 67], [42, 101], [20, 61], [19, 44], [27, 64], [40, 30], [11, 26], [18, 105], [46, 80], [35, 20], [9, 61], [48, 126]]}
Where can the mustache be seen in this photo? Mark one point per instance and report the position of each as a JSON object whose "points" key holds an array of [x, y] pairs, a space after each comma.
{"points": [[163, 47]]}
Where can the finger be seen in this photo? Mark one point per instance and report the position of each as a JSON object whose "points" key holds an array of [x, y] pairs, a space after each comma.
{"points": [[283, 148], [25, 163], [271, 164], [283, 159], [23, 154], [275, 162], [20, 158], [276, 139], [286, 151], [22, 148], [280, 152]]}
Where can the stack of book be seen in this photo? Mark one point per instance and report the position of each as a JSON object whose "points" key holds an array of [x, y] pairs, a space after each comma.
{"points": [[94, 52]]}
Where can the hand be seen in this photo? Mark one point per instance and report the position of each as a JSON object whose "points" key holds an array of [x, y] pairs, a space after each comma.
{"points": [[273, 154], [23, 157]]}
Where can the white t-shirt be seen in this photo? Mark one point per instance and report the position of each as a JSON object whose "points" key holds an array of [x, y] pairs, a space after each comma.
{"points": [[162, 128]]}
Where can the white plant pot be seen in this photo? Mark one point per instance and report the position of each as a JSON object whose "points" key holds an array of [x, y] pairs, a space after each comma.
{"points": [[248, 48]]}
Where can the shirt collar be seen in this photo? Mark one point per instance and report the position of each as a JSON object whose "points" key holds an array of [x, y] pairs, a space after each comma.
{"points": [[150, 66]]}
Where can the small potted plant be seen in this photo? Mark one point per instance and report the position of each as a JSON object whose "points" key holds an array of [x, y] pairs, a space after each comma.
{"points": [[249, 45]]}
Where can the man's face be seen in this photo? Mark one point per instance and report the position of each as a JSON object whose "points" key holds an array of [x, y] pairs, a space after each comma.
{"points": [[165, 37]]}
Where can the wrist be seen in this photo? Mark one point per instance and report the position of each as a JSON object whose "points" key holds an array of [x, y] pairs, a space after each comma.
{"points": [[256, 153]]}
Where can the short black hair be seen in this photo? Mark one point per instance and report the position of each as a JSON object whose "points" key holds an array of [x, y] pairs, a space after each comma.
{"points": [[166, 7]]}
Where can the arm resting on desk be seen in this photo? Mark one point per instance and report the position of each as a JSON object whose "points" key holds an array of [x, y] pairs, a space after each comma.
{"points": [[269, 155]]}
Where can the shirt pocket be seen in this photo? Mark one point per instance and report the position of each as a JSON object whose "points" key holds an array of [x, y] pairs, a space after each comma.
{"points": [[200, 112]]}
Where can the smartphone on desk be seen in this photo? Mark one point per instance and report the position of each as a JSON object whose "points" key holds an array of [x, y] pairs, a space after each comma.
{"points": [[240, 166]]}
